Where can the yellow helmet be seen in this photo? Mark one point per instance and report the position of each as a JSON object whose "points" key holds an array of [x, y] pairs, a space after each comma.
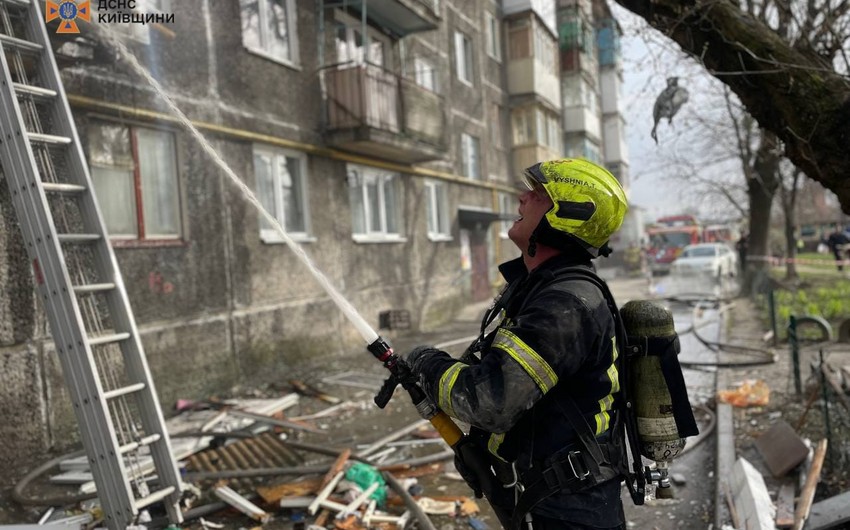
{"points": [[589, 203]]}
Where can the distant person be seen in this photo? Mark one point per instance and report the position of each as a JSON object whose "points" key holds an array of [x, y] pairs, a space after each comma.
{"points": [[837, 243], [741, 246]]}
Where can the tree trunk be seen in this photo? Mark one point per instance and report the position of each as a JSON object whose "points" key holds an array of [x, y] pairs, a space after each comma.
{"points": [[789, 204], [762, 181]]}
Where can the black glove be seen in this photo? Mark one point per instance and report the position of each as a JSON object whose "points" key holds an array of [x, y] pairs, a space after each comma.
{"points": [[418, 358], [467, 458]]}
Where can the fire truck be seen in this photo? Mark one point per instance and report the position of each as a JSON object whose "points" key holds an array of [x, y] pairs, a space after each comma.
{"points": [[668, 236]]}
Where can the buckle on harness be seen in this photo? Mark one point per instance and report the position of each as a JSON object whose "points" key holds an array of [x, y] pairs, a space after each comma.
{"points": [[576, 474]]}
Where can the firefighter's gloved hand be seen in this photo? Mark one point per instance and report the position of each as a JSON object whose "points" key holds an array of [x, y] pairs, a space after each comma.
{"points": [[420, 356]]}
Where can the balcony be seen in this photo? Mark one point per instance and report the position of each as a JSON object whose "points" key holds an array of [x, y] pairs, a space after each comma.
{"points": [[400, 17], [375, 112]]}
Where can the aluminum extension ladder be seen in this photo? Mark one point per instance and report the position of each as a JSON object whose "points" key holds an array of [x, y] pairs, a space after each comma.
{"points": [[77, 276]]}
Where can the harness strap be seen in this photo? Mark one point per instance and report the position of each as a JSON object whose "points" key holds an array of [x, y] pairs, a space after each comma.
{"points": [[567, 470]]}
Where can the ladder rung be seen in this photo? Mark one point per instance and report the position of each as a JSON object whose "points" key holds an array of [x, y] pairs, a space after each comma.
{"points": [[77, 238], [107, 339], [61, 187], [93, 288], [20, 44], [154, 497], [123, 391], [132, 446], [48, 138], [32, 90]]}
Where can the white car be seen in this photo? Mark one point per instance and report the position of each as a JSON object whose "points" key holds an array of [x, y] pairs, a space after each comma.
{"points": [[714, 259]]}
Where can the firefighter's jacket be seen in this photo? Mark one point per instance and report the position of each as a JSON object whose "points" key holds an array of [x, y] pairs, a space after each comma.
{"points": [[556, 338]]}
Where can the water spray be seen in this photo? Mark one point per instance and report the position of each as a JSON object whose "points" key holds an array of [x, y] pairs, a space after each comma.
{"points": [[377, 346]]}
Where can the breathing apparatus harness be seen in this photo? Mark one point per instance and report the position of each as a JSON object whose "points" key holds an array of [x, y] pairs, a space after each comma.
{"points": [[590, 461]]}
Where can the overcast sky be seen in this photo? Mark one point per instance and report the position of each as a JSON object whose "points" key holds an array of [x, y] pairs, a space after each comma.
{"points": [[648, 59]]}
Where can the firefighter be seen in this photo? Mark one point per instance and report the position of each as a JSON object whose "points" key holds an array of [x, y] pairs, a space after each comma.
{"points": [[539, 392]]}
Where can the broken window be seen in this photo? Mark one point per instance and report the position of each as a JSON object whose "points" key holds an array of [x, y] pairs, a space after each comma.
{"points": [[134, 172]]}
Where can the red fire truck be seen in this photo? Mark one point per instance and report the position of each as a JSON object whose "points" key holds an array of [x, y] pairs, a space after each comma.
{"points": [[668, 236]]}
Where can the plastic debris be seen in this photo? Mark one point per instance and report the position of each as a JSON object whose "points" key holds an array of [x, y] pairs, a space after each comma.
{"points": [[751, 393], [364, 476]]}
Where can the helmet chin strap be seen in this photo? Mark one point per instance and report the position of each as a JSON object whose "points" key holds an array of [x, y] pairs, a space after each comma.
{"points": [[532, 245]]}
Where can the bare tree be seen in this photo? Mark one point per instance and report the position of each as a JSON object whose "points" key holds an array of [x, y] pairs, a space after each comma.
{"points": [[789, 185], [787, 61]]}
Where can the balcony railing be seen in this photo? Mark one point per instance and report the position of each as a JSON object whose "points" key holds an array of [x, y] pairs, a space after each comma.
{"points": [[373, 110]]}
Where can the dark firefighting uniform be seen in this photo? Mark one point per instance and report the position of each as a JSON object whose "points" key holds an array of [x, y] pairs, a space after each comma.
{"points": [[555, 342]]}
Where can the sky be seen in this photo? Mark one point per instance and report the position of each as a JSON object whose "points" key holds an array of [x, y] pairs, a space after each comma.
{"points": [[648, 59]]}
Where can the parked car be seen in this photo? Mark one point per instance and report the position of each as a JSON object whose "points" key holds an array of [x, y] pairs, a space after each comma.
{"points": [[714, 259]]}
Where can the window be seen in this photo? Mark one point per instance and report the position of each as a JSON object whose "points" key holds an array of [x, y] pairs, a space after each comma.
{"points": [[134, 172], [424, 73], [544, 48], [523, 126], [470, 156], [494, 36], [281, 188], [519, 39], [269, 28], [507, 206], [463, 57], [375, 209], [352, 46], [436, 211]]}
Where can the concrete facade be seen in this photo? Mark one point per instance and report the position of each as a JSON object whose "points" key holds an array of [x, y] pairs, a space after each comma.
{"points": [[218, 305], [222, 301]]}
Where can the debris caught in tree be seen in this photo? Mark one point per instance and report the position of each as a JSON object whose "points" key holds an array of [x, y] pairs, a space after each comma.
{"points": [[668, 103]]}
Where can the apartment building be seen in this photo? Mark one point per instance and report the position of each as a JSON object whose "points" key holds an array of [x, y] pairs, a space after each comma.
{"points": [[383, 136]]}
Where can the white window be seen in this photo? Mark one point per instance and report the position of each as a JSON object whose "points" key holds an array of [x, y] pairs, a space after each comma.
{"points": [[523, 126], [463, 57], [544, 47], [494, 37], [269, 28], [134, 171], [375, 208], [507, 206], [353, 47], [424, 73], [470, 156], [496, 126], [281, 188], [436, 211]]}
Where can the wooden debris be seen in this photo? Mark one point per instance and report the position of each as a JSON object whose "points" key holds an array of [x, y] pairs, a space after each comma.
{"points": [[831, 513], [242, 504], [785, 506], [807, 495], [274, 494], [307, 390]]}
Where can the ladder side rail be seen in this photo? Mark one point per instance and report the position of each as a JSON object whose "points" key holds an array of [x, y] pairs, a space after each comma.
{"points": [[61, 306], [136, 364]]}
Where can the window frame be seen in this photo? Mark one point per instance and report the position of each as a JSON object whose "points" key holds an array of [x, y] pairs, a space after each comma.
{"points": [[270, 235], [372, 35], [140, 239], [366, 174], [506, 201], [291, 6], [493, 33], [436, 195], [424, 69], [466, 141], [464, 58]]}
